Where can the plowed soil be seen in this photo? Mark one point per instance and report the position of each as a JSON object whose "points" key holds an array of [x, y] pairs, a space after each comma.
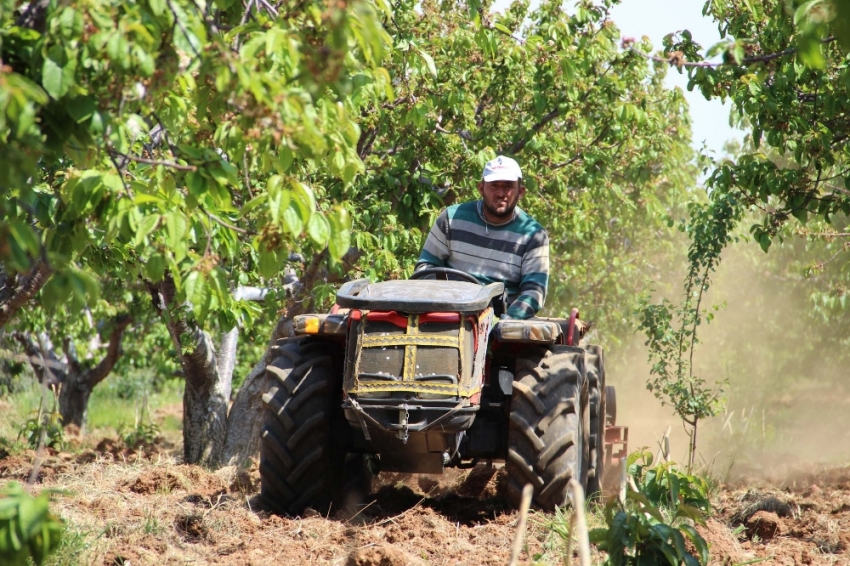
{"points": [[154, 510]]}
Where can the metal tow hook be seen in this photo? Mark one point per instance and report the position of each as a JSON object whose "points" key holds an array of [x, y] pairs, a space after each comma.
{"points": [[403, 418]]}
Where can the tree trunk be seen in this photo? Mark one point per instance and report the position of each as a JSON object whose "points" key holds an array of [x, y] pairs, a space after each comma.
{"points": [[211, 435], [204, 404], [245, 422], [74, 399], [66, 376]]}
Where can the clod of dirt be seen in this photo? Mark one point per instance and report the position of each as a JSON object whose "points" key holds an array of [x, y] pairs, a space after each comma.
{"points": [[427, 484], [124, 558], [484, 481], [245, 481], [192, 528], [722, 545], [16, 467], [764, 524], [155, 480], [109, 447], [382, 555]]}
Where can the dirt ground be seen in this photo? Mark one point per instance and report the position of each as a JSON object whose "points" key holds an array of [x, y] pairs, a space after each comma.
{"points": [[130, 507]]}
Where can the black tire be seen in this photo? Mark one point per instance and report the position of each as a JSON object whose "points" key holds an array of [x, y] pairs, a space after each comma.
{"points": [[303, 461], [595, 365], [548, 428]]}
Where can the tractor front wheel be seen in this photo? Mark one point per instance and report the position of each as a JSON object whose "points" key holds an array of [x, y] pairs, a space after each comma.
{"points": [[302, 462], [549, 425]]}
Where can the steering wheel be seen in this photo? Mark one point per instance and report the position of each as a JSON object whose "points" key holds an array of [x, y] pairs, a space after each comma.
{"points": [[445, 271]]}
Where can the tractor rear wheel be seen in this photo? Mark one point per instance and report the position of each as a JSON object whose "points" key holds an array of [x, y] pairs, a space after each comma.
{"points": [[595, 365], [548, 428], [303, 461]]}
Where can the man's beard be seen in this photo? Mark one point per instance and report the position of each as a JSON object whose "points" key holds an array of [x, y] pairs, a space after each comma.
{"points": [[508, 214]]}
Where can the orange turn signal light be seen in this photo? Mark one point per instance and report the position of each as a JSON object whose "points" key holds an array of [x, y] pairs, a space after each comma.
{"points": [[311, 325]]}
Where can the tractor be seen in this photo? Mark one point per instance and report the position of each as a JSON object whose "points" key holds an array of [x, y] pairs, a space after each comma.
{"points": [[423, 374]]}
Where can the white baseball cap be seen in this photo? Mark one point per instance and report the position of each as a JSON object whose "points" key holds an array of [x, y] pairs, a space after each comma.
{"points": [[502, 169]]}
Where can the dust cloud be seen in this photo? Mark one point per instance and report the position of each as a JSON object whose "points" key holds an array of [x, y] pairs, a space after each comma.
{"points": [[788, 396]]}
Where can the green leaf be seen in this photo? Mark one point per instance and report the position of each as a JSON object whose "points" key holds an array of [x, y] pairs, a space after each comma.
{"points": [[118, 50], [148, 225], [198, 294], [502, 29], [292, 221], [646, 506], [25, 237], [810, 52], [319, 229], [31, 513], [155, 268], [57, 73], [268, 264], [176, 226], [218, 282], [278, 198], [252, 204], [70, 23], [157, 7], [303, 201], [339, 240], [841, 23], [429, 62]]}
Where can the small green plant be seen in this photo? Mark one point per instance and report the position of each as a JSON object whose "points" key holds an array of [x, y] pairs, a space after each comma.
{"points": [[27, 528], [672, 330], [141, 434], [46, 424], [665, 485], [636, 533], [655, 524]]}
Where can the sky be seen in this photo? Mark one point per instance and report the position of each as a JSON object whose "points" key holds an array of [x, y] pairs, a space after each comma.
{"points": [[655, 19]]}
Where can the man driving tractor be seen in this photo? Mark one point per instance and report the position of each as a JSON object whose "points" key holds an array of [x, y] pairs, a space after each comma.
{"points": [[494, 240]]}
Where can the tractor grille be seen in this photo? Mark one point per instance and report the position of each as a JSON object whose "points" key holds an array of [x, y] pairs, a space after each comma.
{"points": [[425, 360]]}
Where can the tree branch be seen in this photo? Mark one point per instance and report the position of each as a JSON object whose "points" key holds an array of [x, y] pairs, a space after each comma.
{"points": [[227, 225], [138, 159], [677, 58], [523, 141], [18, 290], [113, 351]]}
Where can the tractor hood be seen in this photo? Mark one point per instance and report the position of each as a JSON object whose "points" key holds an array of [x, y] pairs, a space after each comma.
{"points": [[418, 296]]}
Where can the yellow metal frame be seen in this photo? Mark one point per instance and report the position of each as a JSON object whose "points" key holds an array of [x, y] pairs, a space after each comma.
{"points": [[411, 340]]}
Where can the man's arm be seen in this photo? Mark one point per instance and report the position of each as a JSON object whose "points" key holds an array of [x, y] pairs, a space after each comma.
{"points": [[436, 248], [535, 278]]}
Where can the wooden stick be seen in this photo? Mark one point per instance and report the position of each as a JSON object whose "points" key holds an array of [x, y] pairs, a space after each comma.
{"points": [[664, 446], [523, 517], [580, 523]]}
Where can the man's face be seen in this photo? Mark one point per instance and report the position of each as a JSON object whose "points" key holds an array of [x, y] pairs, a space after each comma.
{"points": [[500, 199]]}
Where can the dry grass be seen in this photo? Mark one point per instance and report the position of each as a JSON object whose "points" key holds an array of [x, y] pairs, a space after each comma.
{"points": [[158, 511]]}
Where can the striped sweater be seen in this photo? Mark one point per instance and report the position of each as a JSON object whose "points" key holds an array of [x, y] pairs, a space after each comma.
{"points": [[515, 253]]}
